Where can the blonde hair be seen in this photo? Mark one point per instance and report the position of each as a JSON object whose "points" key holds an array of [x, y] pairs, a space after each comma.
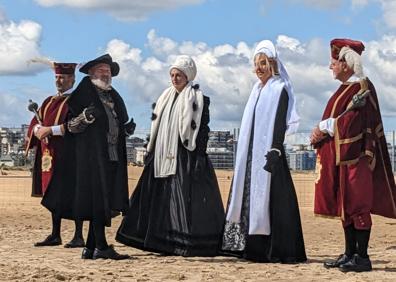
{"points": [[271, 63]]}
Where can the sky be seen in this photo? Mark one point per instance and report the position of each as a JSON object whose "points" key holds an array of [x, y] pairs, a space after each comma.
{"points": [[144, 37]]}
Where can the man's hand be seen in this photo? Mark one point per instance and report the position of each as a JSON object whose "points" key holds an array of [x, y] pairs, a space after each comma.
{"points": [[91, 112], [317, 135], [42, 132], [130, 127]]}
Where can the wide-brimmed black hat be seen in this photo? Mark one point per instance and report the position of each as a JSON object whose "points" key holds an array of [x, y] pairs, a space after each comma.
{"points": [[104, 59]]}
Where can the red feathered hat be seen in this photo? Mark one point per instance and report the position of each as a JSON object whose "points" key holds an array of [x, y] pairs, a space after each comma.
{"points": [[64, 68], [337, 44]]}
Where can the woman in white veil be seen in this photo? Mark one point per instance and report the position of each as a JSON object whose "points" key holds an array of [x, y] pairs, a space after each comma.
{"points": [[263, 220]]}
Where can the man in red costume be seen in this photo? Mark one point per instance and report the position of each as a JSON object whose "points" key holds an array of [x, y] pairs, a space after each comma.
{"points": [[355, 175], [53, 173]]}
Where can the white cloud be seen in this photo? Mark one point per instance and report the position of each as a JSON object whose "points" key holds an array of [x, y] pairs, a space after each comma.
{"points": [[389, 10], [225, 73], [19, 42], [322, 4], [125, 10], [2, 16], [13, 105], [359, 3]]}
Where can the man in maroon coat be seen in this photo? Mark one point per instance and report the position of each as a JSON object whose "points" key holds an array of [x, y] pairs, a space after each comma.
{"points": [[355, 176], [53, 176]]}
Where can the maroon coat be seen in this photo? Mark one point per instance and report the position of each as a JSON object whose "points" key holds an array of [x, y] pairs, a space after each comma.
{"points": [[355, 174], [48, 156]]}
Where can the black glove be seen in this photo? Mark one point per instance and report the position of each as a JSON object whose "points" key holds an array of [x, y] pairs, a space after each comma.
{"points": [[91, 112], [274, 161], [130, 127]]}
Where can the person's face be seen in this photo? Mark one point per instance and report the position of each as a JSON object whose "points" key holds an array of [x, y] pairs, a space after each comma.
{"points": [[102, 72], [179, 79], [340, 70], [64, 82], [262, 68]]}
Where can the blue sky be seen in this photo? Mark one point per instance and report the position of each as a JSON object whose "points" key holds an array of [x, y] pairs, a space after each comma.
{"points": [[219, 34]]}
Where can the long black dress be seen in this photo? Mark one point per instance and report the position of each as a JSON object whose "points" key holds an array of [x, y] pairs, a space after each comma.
{"points": [[182, 214], [285, 243]]}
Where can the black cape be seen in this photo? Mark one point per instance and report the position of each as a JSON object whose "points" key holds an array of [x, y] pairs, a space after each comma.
{"points": [[182, 214], [101, 185]]}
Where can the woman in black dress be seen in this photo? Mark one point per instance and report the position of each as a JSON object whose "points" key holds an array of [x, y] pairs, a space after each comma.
{"points": [[176, 207], [263, 220]]}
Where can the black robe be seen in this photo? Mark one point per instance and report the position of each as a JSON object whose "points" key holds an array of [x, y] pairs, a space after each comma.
{"points": [[60, 194], [181, 214], [285, 243], [101, 185]]}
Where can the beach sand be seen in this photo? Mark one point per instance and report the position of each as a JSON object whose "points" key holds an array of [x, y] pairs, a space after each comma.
{"points": [[24, 221]]}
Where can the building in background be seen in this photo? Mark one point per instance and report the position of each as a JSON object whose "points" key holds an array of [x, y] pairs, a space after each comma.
{"points": [[301, 158], [220, 149], [221, 158]]}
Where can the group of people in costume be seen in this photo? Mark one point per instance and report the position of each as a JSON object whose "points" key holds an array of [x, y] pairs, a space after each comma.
{"points": [[176, 208]]}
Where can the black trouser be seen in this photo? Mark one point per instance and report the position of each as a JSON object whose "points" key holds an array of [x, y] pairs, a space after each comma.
{"points": [[56, 227], [356, 241], [96, 236]]}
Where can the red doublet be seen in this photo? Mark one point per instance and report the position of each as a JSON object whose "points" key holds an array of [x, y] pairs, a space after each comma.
{"points": [[53, 111], [355, 175]]}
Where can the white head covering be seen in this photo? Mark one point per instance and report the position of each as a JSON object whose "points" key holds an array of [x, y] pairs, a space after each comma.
{"points": [[185, 64], [353, 60], [267, 47]]}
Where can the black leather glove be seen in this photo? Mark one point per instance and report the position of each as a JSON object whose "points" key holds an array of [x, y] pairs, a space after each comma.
{"points": [[91, 112], [130, 127], [274, 161]]}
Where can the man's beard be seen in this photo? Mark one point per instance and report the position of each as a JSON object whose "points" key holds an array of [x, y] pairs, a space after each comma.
{"points": [[101, 84]]}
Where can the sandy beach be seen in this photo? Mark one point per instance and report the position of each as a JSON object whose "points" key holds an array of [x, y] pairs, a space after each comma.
{"points": [[24, 221]]}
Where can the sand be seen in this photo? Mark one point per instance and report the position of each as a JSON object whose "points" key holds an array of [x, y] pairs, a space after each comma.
{"points": [[24, 221]]}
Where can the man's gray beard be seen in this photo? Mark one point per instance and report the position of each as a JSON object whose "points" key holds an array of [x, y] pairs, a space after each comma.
{"points": [[101, 84]]}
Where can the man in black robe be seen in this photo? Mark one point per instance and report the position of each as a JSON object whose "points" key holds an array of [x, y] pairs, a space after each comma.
{"points": [[99, 122]]}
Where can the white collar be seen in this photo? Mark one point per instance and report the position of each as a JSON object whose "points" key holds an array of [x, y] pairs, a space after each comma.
{"points": [[354, 78], [69, 91]]}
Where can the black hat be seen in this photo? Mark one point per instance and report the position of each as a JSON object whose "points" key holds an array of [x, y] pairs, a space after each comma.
{"points": [[104, 59]]}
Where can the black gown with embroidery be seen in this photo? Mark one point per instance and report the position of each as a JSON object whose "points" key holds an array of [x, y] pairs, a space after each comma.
{"points": [[181, 214], [285, 243]]}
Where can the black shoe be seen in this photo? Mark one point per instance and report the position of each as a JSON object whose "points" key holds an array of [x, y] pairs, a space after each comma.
{"points": [[108, 253], [342, 259], [357, 264], [87, 253], [49, 241], [76, 242]]}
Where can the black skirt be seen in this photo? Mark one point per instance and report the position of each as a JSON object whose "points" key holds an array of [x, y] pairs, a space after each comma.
{"points": [[285, 244], [181, 214]]}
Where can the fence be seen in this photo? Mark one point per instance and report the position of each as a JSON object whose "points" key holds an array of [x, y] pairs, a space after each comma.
{"points": [[15, 191]]}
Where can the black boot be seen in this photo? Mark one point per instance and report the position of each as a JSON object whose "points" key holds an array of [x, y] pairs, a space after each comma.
{"points": [[357, 264], [87, 253], [350, 248], [54, 239], [51, 240], [342, 259], [108, 253], [361, 261]]}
